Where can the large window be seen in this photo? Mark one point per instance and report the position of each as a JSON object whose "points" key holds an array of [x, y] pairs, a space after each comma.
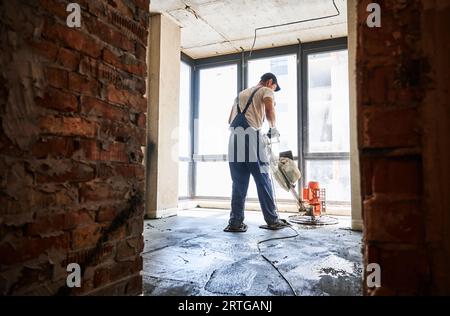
{"points": [[217, 91], [328, 133], [328, 103], [285, 68], [313, 121]]}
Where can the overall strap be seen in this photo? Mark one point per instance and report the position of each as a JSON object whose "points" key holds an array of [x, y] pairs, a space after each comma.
{"points": [[249, 102]]}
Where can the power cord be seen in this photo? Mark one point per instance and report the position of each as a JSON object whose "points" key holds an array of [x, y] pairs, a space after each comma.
{"points": [[278, 238], [338, 13]]}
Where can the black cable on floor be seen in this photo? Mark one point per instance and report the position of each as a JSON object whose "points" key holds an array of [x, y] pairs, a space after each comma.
{"points": [[277, 238], [272, 264]]}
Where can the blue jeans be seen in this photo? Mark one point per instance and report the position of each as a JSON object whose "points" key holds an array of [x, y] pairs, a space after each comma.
{"points": [[240, 173]]}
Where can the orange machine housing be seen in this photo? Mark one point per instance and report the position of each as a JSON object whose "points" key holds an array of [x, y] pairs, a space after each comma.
{"points": [[311, 194]]}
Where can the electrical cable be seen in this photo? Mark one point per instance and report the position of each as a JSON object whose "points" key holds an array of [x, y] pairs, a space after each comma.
{"points": [[295, 22], [277, 238]]}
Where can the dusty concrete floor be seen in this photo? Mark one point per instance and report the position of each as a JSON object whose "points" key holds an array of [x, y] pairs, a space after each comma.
{"points": [[189, 255]]}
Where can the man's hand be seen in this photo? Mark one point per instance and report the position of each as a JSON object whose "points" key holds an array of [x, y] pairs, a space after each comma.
{"points": [[273, 133]]}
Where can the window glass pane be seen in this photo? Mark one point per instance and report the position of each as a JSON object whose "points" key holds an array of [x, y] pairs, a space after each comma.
{"points": [[185, 110], [328, 102], [183, 178], [213, 179], [218, 89], [333, 175], [285, 68]]}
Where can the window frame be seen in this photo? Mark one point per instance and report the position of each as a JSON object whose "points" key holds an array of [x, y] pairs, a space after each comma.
{"points": [[316, 48], [191, 166], [302, 51]]}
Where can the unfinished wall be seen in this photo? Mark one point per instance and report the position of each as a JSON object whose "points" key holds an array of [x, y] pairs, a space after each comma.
{"points": [[72, 112], [163, 119], [404, 122]]}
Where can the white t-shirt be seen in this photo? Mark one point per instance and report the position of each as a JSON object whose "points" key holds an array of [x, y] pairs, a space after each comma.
{"points": [[256, 113]]}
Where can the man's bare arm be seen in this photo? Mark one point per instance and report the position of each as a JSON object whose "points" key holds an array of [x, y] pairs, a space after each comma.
{"points": [[270, 112], [232, 110], [231, 115]]}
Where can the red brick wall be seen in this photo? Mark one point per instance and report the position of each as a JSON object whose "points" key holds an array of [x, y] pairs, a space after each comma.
{"points": [[403, 124], [72, 111]]}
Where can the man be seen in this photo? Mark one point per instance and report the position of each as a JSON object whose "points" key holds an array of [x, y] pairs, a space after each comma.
{"points": [[247, 152]]}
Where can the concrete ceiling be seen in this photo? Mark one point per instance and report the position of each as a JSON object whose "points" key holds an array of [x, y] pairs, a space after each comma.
{"points": [[218, 27]]}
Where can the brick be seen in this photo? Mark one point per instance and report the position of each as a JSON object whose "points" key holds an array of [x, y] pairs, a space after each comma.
{"points": [[68, 126], [101, 192], [135, 227], [403, 271], [95, 107], [83, 85], [135, 154], [76, 218], [121, 132], [104, 253], [58, 100], [68, 59], [46, 226], [25, 249], [390, 128], [55, 8], [126, 98], [143, 4], [140, 85], [117, 271], [401, 220], [123, 8], [397, 177], [119, 233], [129, 249], [366, 176], [56, 201], [141, 120], [102, 72], [134, 286], [126, 171], [73, 38], [144, 20], [141, 52], [86, 236], [378, 83], [55, 147], [110, 212], [116, 152], [46, 49], [51, 196], [60, 172], [125, 62], [108, 34], [33, 274], [57, 78]]}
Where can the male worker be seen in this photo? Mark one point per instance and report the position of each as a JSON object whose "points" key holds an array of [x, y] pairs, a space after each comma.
{"points": [[247, 154]]}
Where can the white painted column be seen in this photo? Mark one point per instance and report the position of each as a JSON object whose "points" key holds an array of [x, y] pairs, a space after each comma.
{"points": [[163, 118], [357, 222]]}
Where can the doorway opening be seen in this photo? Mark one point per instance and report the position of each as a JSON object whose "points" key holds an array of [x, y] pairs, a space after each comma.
{"points": [[190, 254]]}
